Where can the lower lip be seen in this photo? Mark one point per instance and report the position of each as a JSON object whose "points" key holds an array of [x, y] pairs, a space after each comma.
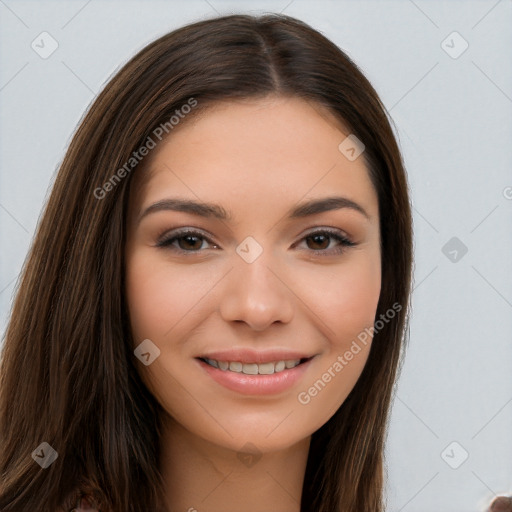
{"points": [[256, 384]]}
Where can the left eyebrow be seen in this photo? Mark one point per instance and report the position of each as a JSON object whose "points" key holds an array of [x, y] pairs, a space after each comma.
{"points": [[311, 207], [315, 206]]}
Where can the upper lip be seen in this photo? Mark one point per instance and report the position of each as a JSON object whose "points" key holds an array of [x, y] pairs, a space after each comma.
{"points": [[245, 355]]}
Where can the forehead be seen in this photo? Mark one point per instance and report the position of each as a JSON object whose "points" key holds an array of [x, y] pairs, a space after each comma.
{"points": [[257, 153]]}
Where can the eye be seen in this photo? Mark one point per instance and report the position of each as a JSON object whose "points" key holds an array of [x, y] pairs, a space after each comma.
{"points": [[187, 241], [320, 240]]}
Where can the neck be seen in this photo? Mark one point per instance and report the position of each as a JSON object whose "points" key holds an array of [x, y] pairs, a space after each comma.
{"points": [[201, 476]]}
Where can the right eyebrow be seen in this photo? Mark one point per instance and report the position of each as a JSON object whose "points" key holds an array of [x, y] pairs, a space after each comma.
{"points": [[201, 209]]}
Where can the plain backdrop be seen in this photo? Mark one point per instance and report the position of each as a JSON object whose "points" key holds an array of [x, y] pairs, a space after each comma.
{"points": [[443, 70]]}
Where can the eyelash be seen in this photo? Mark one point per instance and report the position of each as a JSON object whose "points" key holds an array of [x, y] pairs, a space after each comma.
{"points": [[345, 243]]}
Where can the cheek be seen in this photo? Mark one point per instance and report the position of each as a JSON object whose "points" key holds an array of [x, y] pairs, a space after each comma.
{"points": [[344, 297], [347, 346], [346, 300], [160, 295], [333, 380], [146, 299], [160, 299], [356, 300]]}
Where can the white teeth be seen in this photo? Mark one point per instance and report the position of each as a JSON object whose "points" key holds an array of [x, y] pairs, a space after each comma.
{"points": [[235, 366], [266, 368], [254, 368], [250, 368], [279, 366]]}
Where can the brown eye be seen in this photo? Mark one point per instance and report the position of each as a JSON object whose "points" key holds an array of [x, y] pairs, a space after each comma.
{"points": [[184, 242], [189, 242], [319, 241]]}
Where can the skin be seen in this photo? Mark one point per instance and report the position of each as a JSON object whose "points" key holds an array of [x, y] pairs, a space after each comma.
{"points": [[258, 159]]}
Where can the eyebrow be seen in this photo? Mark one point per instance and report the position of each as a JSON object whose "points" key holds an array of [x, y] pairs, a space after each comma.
{"points": [[211, 210]]}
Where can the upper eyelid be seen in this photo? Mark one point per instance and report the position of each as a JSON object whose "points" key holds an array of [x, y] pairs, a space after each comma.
{"points": [[178, 232]]}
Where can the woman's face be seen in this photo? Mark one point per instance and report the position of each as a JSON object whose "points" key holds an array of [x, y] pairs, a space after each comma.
{"points": [[261, 278]]}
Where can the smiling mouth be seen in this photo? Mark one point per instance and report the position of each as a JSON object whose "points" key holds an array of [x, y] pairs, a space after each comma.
{"points": [[255, 368]]}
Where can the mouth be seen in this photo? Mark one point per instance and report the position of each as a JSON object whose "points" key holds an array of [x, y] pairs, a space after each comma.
{"points": [[254, 374], [253, 368]]}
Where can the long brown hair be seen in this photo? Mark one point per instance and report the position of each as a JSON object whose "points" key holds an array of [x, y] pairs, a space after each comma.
{"points": [[68, 376]]}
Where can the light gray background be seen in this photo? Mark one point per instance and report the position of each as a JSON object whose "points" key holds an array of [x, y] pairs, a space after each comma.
{"points": [[453, 120]]}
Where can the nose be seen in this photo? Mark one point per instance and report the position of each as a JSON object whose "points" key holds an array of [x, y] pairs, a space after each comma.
{"points": [[257, 295]]}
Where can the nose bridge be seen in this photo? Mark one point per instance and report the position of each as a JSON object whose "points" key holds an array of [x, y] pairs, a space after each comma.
{"points": [[254, 294], [256, 277]]}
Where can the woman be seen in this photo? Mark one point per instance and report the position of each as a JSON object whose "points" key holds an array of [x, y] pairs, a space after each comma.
{"points": [[212, 313]]}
